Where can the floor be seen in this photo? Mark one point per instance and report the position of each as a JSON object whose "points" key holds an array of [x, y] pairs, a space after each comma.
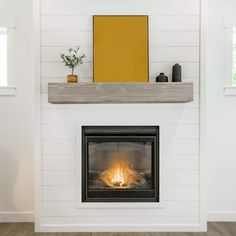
{"points": [[27, 229]]}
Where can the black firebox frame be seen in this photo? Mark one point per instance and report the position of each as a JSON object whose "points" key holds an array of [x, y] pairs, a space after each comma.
{"points": [[126, 134]]}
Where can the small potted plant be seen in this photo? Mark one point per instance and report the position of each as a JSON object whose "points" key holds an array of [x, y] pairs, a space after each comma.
{"points": [[72, 60]]}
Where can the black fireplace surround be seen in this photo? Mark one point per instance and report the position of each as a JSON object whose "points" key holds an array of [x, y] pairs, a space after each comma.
{"points": [[120, 164]]}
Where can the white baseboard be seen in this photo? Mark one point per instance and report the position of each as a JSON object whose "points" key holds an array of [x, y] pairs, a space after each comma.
{"points": [[121, 228], [221, 216], [213, 216], [16, 216]]}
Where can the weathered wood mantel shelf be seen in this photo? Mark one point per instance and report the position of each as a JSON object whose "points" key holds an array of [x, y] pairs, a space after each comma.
{"points": [[79, 93]]}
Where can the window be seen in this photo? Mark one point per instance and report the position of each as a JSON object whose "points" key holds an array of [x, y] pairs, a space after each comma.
{"points": [[234, 58], [3, 57], [7, 56], [230, 56]]}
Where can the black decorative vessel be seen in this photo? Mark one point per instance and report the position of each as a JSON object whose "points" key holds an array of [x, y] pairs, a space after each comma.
{"points": [[176, 73], [162, 78]]}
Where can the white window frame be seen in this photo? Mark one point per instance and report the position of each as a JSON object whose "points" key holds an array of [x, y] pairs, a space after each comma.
{"points": [[229, 25], [10, 25]]}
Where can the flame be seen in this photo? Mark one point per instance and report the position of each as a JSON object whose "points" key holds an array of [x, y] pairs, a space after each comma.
{"points": [[120, 175]]}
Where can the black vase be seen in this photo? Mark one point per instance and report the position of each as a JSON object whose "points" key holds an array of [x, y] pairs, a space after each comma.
{"points": [[162, 78], [176, 73]]}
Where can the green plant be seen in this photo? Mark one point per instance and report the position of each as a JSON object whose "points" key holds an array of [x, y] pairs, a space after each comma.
{"points": [[73, 59]]}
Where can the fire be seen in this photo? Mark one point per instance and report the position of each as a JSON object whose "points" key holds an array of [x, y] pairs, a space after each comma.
{"points": [[120, 175]]}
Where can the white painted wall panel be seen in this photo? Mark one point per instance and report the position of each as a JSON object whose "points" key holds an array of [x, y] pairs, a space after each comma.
{"points": [[174, 37]]}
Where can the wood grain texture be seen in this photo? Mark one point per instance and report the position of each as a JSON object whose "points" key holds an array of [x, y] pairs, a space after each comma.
{"points": [[27, 229], [63, 93]]}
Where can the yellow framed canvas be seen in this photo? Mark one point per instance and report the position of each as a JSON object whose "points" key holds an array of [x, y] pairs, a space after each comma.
{"points": [[120, 49]]}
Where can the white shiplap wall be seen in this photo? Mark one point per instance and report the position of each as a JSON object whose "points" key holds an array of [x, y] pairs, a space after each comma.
{"points": [[174, 37]]}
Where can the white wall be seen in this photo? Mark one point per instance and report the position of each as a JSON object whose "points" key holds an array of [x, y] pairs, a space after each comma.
{"points": [[174, 37], [16, 144], [16, 133], [221, 117]]}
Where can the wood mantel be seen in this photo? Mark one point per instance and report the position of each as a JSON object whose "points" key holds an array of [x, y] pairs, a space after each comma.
{"points": [[80, 93]]}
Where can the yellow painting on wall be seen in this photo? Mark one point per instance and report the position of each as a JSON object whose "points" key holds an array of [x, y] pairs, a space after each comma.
{"points": [[120, 49]]}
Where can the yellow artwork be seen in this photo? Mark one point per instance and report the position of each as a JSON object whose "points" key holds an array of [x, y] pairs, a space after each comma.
{"points": [[120, 49]]}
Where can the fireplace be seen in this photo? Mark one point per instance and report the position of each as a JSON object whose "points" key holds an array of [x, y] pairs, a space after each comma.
{"points": [[120, 163]]}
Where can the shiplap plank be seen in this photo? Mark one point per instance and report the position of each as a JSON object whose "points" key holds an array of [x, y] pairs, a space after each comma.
{"points": [[54, 131], [182, 177], [159, 7], [182, 193], [174, 38], [187, 116], [85, 23], [58, 163], [58, 147], [85, 39], [66, 23], [86, 70], [176, 131], [67, 208], [181, 162], [68, 39], [52, 54], [58, 178], [174, 23], [184, 146], [58, 193], [177, 54], [156, 54]]}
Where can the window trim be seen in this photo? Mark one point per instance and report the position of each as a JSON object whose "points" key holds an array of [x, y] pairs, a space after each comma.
{"points": [[7, 91], [10, 24]]}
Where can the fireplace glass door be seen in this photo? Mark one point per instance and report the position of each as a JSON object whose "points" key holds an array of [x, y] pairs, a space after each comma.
{"points": [[120, 164]]}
